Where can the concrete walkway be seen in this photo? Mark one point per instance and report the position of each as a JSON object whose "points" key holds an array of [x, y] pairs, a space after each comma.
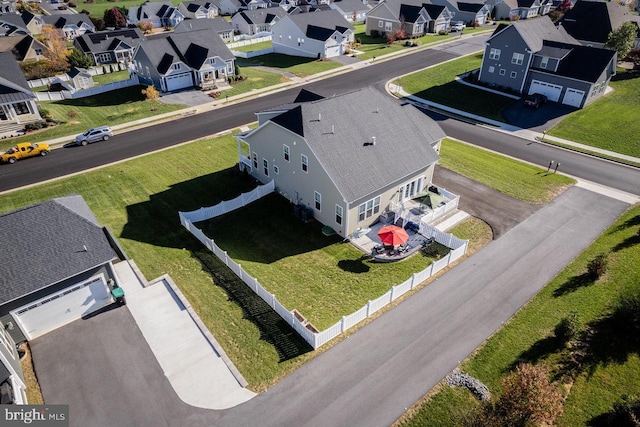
{"points": [[191, 359]]}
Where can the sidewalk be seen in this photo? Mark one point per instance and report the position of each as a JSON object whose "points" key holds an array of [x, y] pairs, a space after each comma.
{"points": [[398, 91]]}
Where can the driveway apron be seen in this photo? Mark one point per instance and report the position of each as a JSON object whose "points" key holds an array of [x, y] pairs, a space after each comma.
{"points": [[371, 378]]}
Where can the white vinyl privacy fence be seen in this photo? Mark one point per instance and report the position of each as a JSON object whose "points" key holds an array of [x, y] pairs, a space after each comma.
{"points": [[83, 93], [316, 339]]}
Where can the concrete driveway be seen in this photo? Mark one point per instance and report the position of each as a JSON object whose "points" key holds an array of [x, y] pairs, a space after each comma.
{"points": [[103, 368], [500, 211]]}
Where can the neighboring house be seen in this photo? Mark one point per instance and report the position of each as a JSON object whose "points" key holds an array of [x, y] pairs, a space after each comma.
{"points": [[13, 389], [254, 4], [346, 158], [199, 9], [80, 78], [535, 56], [55, 269], [323, 34], [590, 22], [8, 6], [220, 26], [72, 25], [522, 9], [256, 21], [24, 48], [12, 24], [228, 7], [467, 12], [184, 60], [415, 17], [33, 22], [160, 14], [352, 10], [110, 47], [17, 102]]}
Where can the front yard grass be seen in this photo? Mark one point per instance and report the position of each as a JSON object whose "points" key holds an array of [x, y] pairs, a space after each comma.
{"points": [[254, 79], [437, 84], [77, 115], [610, 122], [297, 65], [517, 179], [611, 367], [253, 47]]}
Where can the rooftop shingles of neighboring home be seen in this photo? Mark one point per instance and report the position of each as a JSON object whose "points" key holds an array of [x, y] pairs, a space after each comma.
{"points": [[263, 15], [327, 19], [59, 21], [18, 45], [535, 31], [339, 130], [351, 5], [582, 62], [52, 245], [108, 40], [470, 7], [193, 7], [593, 21], [10, 72], [410, 13], [526, 3], [433, 10], [215, 24]]}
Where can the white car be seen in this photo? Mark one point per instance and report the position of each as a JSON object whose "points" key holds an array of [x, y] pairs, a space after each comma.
{"points": [[458, 26], [101, 133]]}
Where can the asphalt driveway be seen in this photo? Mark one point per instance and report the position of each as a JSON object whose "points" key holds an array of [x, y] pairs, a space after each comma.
{"points": [[103, 368], [540, 119], [500, 211]]}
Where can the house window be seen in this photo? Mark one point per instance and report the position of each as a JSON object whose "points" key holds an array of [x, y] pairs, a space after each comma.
{"points": [[388, 26], [544, 62], [503, 72], [21, 108], [492, 69], [255, 160], [265, 166], [368, 209], [317, 198], [514, 75], [285, 151], [305, 163], [380, 24], [494, 54], [229, 67], [338, 215], [38, 51], [104, 57], [175, 66], [276, 170], [517, 58]]}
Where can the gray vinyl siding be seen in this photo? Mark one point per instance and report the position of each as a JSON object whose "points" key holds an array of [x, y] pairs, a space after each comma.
{"points": [[153, 78], [508, 44]]}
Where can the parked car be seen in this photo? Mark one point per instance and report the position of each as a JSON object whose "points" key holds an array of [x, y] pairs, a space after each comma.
{"points": [[535, 100], [458, 26], [101, 133], [24, 150]]}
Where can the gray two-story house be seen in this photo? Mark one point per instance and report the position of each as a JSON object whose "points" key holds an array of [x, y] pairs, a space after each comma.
{"points": [[414, 17], [345, 158], [535, 56]]}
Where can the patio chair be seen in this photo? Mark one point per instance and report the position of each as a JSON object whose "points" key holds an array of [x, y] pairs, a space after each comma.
{"points": [[377, 250], [403, 248]]}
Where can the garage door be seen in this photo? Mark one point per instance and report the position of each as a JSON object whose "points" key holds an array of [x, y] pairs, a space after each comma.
{"points": [[333, 51], [179, 81], [573, 97], [552, 92], [64, 306]]}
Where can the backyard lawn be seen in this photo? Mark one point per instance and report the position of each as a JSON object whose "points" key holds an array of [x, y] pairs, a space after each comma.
{"points": [[97, 7], [516, 179], [297, 65], [595, 374], [253, 46], [610, 122], [437, 84]]}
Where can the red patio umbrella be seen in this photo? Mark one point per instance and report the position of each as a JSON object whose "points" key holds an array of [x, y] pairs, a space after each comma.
{"points": [[393, 235]]}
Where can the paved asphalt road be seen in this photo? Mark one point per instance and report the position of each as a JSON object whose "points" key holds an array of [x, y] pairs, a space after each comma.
{"points": [[500, 211], [371, 377]]}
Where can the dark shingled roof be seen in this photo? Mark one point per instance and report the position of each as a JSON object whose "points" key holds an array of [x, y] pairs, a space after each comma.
{"points": [[322, 23], [410, 13], [50, 246], [581, 62], [306, 95], [433, 10], [470, 7], [337, 129], [108, 40], [593, 20], [215, 24], [59, 21], [13, 84]]}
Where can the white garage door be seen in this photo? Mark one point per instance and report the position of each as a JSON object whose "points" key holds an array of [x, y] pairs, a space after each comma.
{"points": [[65, 306], [179, 81], [333, 51], [552, 92], [573, 97]]}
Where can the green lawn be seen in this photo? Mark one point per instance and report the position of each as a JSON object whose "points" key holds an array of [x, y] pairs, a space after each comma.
{"points": [[115, 107], [611, 367], [255, 79], [253, 47], [102, 79], [437, 84], [297, 65], [609, 123], [98, 7], [377, 46], [516, 179]]}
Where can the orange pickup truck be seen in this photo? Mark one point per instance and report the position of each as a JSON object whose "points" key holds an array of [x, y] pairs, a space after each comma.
{"points": [[24, 150]]}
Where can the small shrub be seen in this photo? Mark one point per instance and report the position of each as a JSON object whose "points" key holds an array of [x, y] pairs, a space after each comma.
{"points": [[30, 127], [597, 266], [626, 412], [568, 327], [375, 33], [44, 113], [442, 32], [72, 114], [72, 4]]}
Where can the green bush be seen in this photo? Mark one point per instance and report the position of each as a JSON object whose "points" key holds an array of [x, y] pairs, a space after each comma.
{"points": [[597, 266], [568, 327], [627, 311]]}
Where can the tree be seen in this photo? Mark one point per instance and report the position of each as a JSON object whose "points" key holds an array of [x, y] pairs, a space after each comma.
{"points": [[56, 51], [78, 59], [145, 26], [564, 6], [528, 398], [151, 93], [114, 18], [622, 39], [98, 23]]}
